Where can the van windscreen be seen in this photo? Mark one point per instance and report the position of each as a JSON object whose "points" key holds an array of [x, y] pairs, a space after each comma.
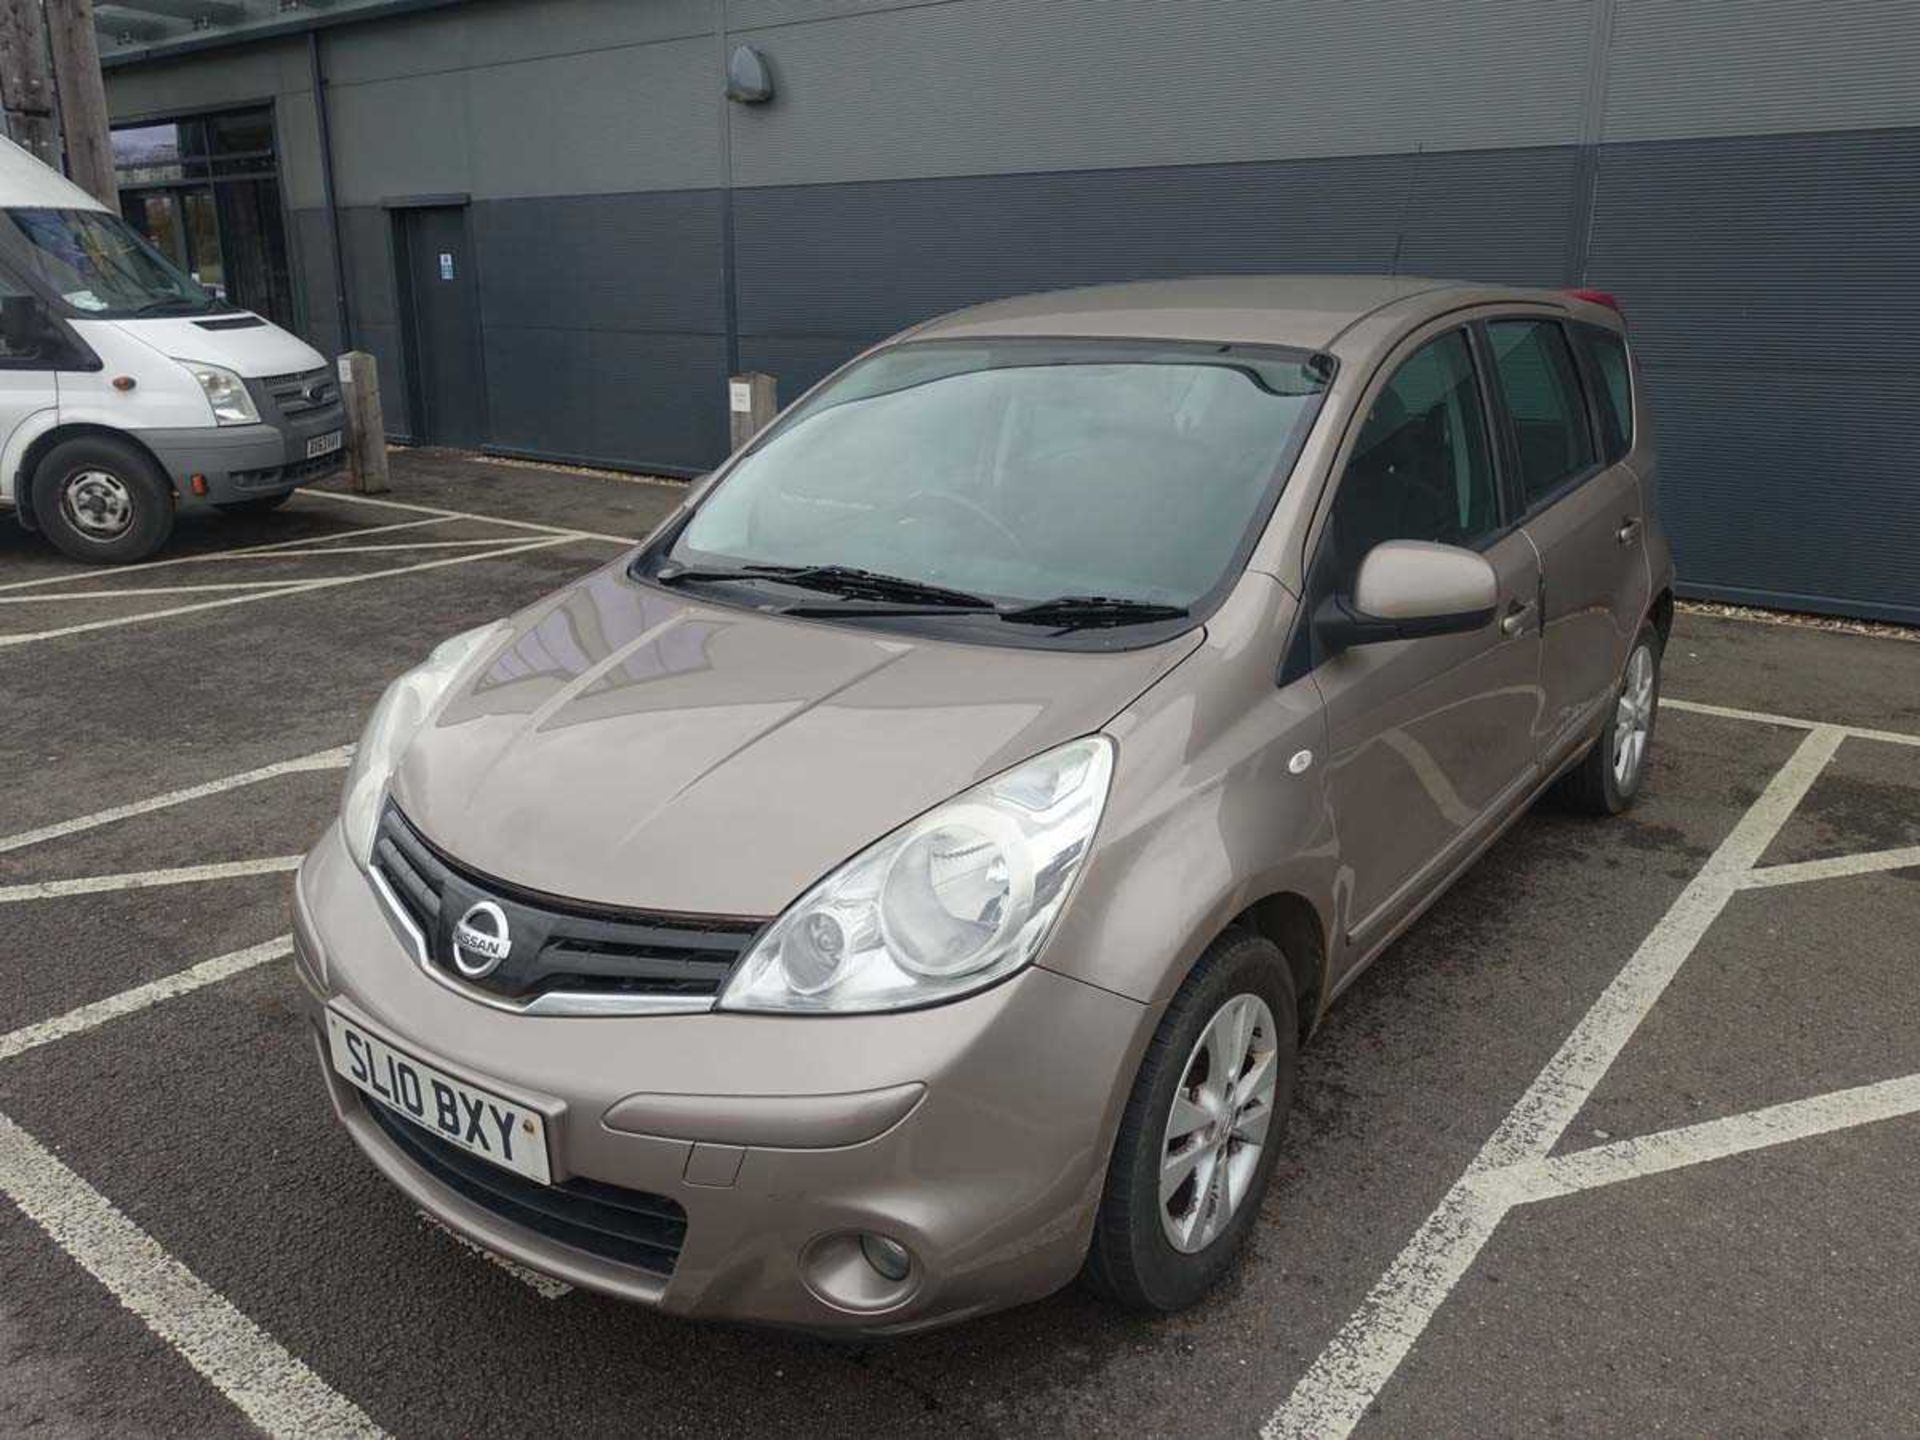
{"points": [[98, 264]]}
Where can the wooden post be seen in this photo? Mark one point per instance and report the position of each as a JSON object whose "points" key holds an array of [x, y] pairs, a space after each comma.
{"points": [[366, 426], [83, 99], [26, 94], [751, 403]]}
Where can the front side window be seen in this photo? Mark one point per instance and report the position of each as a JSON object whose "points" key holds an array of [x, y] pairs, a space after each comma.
{"points": [[1023, 471], [96, 263], [1609, 352], [1421, 468], [1536, 375]]}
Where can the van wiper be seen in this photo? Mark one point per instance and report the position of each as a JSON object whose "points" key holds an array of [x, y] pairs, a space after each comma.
{"points": [[854, 584], [1081, 612]]}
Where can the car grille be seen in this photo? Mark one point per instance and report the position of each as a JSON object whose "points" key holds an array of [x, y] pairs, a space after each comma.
{"points": [[630, 1227], [557, 946], [288, 394]]}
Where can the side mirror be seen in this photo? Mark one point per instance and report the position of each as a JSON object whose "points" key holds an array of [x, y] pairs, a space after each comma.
{"points": [[1407, 589], [23, 323]]}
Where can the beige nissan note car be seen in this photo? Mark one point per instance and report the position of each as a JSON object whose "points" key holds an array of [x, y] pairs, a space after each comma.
{"points": [[904, 883]]}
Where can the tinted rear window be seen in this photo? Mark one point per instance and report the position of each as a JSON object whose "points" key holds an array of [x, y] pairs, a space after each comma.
{"points": [[1609, 352], [1536, 374]]}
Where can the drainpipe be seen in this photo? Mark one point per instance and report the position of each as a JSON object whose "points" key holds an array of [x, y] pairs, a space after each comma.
{"points": [[344, 314]]}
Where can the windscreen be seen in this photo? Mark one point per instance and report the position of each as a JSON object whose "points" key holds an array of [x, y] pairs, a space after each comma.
{"points": [[1023, 470], [100, 266]]}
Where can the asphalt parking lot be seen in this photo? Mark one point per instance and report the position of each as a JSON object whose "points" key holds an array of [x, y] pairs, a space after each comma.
{"points": [[1619, 1139]]}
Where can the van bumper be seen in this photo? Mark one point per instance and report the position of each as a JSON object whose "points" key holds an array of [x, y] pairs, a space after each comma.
{"points": [[242, 462]]}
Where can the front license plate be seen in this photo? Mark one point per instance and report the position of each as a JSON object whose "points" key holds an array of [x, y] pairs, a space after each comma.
{"points": [[323, 444], [503, 1131]]}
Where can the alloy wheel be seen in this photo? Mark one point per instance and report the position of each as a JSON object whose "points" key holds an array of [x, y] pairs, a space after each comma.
{"points": [[1218, 1124], [1633, 719]]}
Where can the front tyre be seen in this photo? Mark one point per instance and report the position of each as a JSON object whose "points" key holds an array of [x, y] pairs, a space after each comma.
{"points": [[102, 499], [1201, 1133], [1609, 776]]}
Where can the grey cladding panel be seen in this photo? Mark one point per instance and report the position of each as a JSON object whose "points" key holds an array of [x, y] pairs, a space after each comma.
{"points": [[650, 261], [495, 33], [859, 261], [993, 86], [1769, 287], [623, 399], [1794, 488], [1684, 68], [1784, 251]]}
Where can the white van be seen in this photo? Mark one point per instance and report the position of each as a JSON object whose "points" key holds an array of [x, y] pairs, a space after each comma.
{"points": [[128, 390]]}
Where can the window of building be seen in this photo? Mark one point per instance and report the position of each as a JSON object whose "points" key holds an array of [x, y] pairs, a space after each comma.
{"points": [[1536, 375], [206, 192], [1421, 468]]}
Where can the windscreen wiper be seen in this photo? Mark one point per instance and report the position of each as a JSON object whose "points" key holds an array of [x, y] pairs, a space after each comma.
{"points": [[1081, 612], [854, 584]]}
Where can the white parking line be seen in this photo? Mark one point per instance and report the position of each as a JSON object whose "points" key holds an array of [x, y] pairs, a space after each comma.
{"points": [[128, 1002], [146, 879], [1716, 1139], [334, 759], [1833, 867], [293, 587], [469, 515], [137, 590], [272, 1388], [212, 556], [1344, 1380], [1792, 722]]}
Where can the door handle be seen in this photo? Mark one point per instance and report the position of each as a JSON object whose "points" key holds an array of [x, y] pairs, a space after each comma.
{"points": [[1515, 620], [1629, 530]]}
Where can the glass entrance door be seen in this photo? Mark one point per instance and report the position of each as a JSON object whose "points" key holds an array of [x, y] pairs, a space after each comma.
{"points": [[206, 192]]}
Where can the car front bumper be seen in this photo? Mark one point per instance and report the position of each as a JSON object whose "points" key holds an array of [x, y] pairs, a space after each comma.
{"points": [[974, 1133]]}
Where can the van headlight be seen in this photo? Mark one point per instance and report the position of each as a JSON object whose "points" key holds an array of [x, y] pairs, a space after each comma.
{"points": [[402, 710], [226, 393], [947, 904]]}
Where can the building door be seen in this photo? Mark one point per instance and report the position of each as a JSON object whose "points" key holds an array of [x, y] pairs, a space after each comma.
{"points": [[446, 387]]}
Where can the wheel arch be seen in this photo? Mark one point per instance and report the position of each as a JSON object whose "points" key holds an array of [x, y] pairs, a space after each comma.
{"points": [[1660, 615], [38, 448], [1292, 922]]}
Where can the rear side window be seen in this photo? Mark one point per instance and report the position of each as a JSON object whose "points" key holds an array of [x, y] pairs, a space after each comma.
{"points": [[1609, 352], [1421, 468], [1536, 375]]}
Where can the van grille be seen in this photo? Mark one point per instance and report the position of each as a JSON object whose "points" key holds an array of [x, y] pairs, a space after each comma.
{"points": [[557, 945], [629, 1227], [302, 394]]}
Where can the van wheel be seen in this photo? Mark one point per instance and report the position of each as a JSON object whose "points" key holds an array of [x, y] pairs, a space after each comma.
{"points": [[1201, 1133], [1609, 776], [255, 504], [102, 500]]}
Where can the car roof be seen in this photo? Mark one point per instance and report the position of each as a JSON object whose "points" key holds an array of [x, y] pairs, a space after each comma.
{"points": [[1307, 311]]}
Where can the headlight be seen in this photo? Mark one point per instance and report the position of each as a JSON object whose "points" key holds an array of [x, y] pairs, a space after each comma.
{"points": [[394, 722], [226, 392], [945, 905]]}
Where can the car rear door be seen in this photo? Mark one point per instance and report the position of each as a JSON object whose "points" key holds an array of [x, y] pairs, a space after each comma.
{"points": [[1430, 739], [1581, 507]]}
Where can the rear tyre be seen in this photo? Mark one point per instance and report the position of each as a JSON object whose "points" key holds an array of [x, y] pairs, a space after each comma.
{"points": [[102, 500], [1201, 1132], [1610, 775], [255, 505]]}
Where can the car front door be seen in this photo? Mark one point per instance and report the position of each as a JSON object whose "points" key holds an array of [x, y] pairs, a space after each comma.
{"points": [[1430, 739], [1582, 510], [26, 368]]}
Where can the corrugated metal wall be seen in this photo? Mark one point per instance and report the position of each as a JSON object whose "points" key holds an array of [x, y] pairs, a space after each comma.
{"points": [[1745, 174]]}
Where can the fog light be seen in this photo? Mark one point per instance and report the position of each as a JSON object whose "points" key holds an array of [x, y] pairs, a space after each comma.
{"points": [[889, 1257]]}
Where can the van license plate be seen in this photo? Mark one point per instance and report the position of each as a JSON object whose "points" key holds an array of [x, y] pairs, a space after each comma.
{"points": [[323, 444], [503, 1131]]}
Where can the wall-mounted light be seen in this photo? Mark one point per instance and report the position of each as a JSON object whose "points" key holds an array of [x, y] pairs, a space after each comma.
{"points": [[749, 81]]}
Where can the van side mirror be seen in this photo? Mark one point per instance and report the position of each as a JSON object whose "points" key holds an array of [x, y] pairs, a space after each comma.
{"points": [[24, 323], [1407, 589]]}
